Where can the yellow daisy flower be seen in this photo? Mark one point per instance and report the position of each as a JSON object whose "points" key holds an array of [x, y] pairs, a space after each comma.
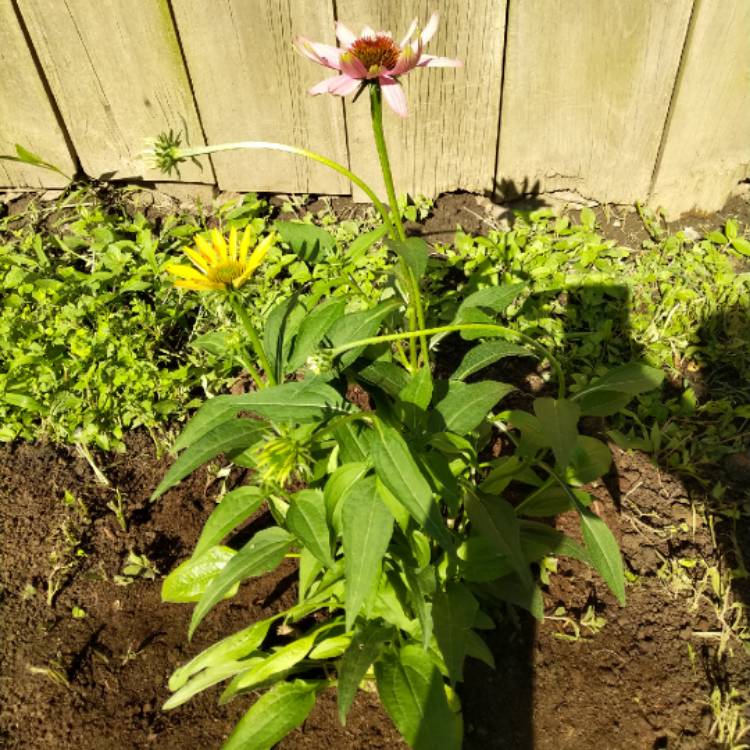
{"points": [[221, 265]]}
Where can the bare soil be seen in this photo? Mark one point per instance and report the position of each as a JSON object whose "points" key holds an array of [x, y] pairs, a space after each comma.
{"points": [[592, 676], [640, 679]]}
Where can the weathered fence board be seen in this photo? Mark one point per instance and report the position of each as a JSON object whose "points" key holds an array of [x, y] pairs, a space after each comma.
{"points": [[116, 71], [251, 85], [26, 114], [586, 94], [449, 139], [617, 101], [707, 146]]}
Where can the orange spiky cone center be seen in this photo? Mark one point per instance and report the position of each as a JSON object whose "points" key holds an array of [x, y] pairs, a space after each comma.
{"points": [[376, 53]]}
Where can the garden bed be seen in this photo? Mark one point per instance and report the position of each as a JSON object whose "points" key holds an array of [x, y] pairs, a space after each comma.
{"points": [[87, 645], [628, 681]]}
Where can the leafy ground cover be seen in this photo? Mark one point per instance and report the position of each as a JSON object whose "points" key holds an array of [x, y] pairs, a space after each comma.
{"points": [[95, 340], [677, 299]]}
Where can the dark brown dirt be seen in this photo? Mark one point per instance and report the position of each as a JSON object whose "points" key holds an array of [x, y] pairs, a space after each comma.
{"points": [[98, 682], [642, 681]]}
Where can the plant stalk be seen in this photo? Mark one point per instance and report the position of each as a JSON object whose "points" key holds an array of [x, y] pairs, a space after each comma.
{"points": [[187, 153], [416, 317], [489, 328], [247, 324]]}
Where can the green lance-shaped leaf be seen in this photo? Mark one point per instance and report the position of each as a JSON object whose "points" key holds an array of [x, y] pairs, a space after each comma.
{"points": [[415, 397], [306, 519], [206, 679], [387, 376], [603, 551], [235, 508], [496, 519], [633, 378], [466, 406], [276, 713], [233, 435], [413, 251], [454, 611], [539, 540], [356, 326], [337, 486], [229, 649], [365, 241], [399, 473], [510, 589], [261, 554], [364, 649], [533, 436], [485, 354], [495, 298], [559, 420], [331, 648], [272, 666], [189, 581], [478, 649], [590, 460], [310, 242], [314, 328], [412, 691], [603, 403], [279, 330], [550, 500], [299, 401], [367, 530], [418, 390]]}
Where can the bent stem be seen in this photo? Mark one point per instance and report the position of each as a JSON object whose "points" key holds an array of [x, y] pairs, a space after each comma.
{"points": [[489, 328], [239, 310], [190, 152], [416, 316]]}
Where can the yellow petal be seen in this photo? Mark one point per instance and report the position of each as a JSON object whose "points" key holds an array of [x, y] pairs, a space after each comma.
{"points": [[205, 248], [185, 272], [198, 258], [233, 244], [220, 244], [247, 238], [261, 251], [255, 260], [200, 286]]}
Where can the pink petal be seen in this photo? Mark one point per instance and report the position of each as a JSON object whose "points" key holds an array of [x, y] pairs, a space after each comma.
{"points": [[339, 85], [407, 60], [430, 61], [320, 88], [406, 39], [344, 35], [343, 85], [352, 66], [323, 54], [368, 31], [431, 28], [394, 95]]}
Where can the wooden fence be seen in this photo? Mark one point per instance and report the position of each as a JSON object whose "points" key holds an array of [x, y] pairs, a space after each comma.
{"points": [[617, 100]]}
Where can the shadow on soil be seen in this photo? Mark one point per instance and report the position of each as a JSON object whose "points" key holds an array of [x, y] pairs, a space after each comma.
{"points": [[499, 705]]}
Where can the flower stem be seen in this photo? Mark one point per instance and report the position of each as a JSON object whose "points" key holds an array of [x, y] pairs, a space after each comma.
{"points": [[376, 112], [244, 359], [190, 152], [416, 318], [489, 328], [247, 324]]}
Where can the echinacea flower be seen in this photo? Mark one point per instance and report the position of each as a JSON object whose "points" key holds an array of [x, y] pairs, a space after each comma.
{"points": [[374, 57], [220, 265]]}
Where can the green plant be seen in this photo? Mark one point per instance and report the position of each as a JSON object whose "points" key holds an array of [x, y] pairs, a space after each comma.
{"points": [[403, 530]]}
